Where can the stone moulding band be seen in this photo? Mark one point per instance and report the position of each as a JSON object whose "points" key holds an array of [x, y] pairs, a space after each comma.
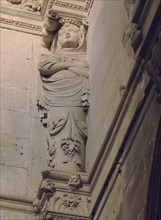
{"points": [[69, 5], [16, 203], [20, 24]]}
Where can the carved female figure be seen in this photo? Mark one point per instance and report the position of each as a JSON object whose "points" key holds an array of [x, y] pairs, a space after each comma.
{"points": [[64, 74]]}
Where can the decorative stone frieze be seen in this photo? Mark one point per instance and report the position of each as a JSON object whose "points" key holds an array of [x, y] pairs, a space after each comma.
{"points": [[64, 74], [27, 15], [20, 24], [69, 5], [153, 66], [29, 5]]}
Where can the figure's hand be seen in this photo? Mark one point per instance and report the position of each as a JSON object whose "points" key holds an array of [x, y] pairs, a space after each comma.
{"points": [[53, 15]]}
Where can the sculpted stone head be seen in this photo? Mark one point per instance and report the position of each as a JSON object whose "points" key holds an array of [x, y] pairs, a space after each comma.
{"points": [[63, 33], [72, 36], [69, 36]]}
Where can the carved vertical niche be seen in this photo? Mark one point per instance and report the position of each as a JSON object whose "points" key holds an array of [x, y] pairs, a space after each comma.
{"points": [[153, 66], [132, 35], [64, 74]]}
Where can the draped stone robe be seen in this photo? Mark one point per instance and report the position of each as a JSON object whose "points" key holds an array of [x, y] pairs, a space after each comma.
{"points": [[66, 96]]}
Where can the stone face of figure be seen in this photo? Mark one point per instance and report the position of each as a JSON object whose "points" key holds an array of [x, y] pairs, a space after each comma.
{"points": [[69, 36]]}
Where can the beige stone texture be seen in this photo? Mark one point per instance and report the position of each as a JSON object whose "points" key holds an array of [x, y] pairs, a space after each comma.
{"points": [[14, 151], [13, 180], [128, 197], [23, 148], [109, 70], [20, 99], [13, 215], [23, 145]]}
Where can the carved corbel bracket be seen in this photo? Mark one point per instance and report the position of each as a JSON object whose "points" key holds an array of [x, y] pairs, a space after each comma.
{"points": [[66, 202], [153, 66], [46, 190]]}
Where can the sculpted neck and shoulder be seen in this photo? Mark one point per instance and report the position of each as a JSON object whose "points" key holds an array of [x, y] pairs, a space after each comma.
{"points": [[67, 53]]}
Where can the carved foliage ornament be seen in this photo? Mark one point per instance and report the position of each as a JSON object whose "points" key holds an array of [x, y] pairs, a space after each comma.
{"points": [[71, 203], [29, 5], [153, 66]]}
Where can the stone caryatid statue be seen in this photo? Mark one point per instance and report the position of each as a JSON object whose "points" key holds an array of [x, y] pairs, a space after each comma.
{"points": [[64, 74]]}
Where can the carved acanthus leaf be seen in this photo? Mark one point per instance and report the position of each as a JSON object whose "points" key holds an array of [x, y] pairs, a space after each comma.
{"points": [[71, 203], [70, 146]]}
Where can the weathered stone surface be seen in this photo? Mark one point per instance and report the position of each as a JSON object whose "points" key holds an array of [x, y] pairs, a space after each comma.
{"points": [[15, 44], [38, 154], [15, 99], [13, 215], [14, 180], [16, 124], [15, 151], [109, 70], [16, 71], [22, 135], [129, 195]]}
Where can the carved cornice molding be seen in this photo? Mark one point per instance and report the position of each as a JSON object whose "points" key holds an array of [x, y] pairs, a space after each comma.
{"points": [[65, 4], [16, 203], [20, 24], [11, 15]]}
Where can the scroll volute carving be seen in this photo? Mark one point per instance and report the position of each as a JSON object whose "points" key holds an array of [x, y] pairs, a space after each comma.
{"points": [[153, 66]]}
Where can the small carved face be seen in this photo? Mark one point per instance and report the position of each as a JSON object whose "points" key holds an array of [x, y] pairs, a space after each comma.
{"points": [[69, 36]]}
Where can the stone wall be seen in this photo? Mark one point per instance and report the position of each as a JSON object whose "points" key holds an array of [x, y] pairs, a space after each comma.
{"points": [[109, 70], [23, 144], [128, 197], [12, 215]]}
